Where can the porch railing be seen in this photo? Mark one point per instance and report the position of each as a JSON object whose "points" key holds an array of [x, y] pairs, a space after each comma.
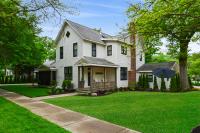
{"points": [[95, 86]]}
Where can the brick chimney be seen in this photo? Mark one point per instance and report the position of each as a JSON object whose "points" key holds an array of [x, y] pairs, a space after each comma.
{"points": [[132, 72]]}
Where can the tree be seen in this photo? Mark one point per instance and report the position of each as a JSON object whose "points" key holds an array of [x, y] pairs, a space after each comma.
{"points": [[160, 57], [175, 20], [193, 64], [155, 84]]}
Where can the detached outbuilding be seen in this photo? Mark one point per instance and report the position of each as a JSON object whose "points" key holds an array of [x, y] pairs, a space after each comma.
{"points": [[46, 73], [147, 69]]}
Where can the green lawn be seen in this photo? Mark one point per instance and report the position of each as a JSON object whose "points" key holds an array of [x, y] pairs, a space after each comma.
{"points": [[15, 119], [27, 90], [148, 112]]}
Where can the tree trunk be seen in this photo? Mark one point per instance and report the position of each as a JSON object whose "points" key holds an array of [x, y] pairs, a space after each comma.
{"points": [[184, 84]]}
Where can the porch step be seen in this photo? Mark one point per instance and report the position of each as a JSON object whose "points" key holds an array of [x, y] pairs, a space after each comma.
{"points": [[83, 91]]}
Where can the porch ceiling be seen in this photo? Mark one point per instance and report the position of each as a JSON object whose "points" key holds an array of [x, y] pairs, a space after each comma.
{"points": [[93, 61]]}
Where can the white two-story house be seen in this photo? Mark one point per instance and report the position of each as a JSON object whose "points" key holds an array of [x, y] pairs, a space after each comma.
{"points": [[92, 59]]}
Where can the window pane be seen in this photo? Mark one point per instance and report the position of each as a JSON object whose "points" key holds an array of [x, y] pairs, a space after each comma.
{"points": [[94, 50], [123, 73], [61, 52], [75, 50], [68, 73], [109, 50]]}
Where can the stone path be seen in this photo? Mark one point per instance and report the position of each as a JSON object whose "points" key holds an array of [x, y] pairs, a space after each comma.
{"points": [[70, 120], [54, 96]]}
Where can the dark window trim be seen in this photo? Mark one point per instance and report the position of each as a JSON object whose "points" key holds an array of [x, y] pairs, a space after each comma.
{"points": [[123, 50], [123, 73], [68, 73], [61, 52], [140, 57], [109, 50], [75, 49], [94, 50], [67, 34]]}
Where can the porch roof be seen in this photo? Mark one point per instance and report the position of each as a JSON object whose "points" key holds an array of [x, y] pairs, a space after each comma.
{"points": [[47, 66], [93, 61]]}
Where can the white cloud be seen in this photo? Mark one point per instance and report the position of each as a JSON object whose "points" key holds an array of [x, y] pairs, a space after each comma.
{"points": [[101, 5], [89, 15]]}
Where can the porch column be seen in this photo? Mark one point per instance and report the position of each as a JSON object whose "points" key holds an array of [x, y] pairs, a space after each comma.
{"points": [[116, 77], [78, 76], [104, 78], [91, 78], [82, 78]]}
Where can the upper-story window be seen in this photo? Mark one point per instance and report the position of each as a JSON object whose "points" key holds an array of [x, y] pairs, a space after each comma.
{"points": [[61, 52], [94, 50], [109, 50], [67, 34], [124, 50], [75, 49], [141, 57]]}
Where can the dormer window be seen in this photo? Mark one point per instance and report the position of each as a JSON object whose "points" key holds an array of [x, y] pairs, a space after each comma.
{"points": [[109, 50], [94, 50], [67, 34], [75, 50], [123, 50]]}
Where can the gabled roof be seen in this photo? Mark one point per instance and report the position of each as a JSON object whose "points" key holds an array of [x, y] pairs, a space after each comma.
{"points": [[93, 61], [47, 65], [84, 32], [151, 67]]}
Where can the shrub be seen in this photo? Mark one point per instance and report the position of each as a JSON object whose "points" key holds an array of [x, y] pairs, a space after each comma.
{"points": [[155, 84], [53, 83], [178, 82], [132, 86], [146, 82], [10, 79], [6, 80], [173, 85], [139, 84], [66, 85], [163, 86]]}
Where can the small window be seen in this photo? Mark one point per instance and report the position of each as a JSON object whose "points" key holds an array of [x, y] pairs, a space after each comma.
{"points": [[123, 50], [94, 50], [109, 50], [67, 34], [123, 73], [61, 52], [68, 73], [140, 57], [150, 78], [75, 50]]}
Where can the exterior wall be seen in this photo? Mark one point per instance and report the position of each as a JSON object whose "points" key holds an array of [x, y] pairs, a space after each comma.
{"points": [[68, 59], [119, 59], [100, 49]]}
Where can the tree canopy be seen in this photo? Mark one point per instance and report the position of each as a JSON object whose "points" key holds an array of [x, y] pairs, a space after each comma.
{"points": [[176, 20], [20, 43]]}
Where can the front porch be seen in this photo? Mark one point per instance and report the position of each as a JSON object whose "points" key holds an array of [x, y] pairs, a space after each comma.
{"points": [[96, 78], [96, 74]]}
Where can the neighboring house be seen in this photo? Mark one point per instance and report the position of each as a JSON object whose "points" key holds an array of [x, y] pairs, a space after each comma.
{"points": [[148, 68], [92, 59]]}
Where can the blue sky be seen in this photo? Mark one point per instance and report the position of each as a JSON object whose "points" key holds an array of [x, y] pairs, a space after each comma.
{"points": [[109, 15]]}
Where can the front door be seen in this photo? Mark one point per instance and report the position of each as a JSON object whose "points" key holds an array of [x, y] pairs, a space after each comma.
{"points": [[89, 76]]}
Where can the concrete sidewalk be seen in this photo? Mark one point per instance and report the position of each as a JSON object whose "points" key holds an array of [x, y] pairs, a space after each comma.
{"points": [[54, 96], [70, 120]]}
